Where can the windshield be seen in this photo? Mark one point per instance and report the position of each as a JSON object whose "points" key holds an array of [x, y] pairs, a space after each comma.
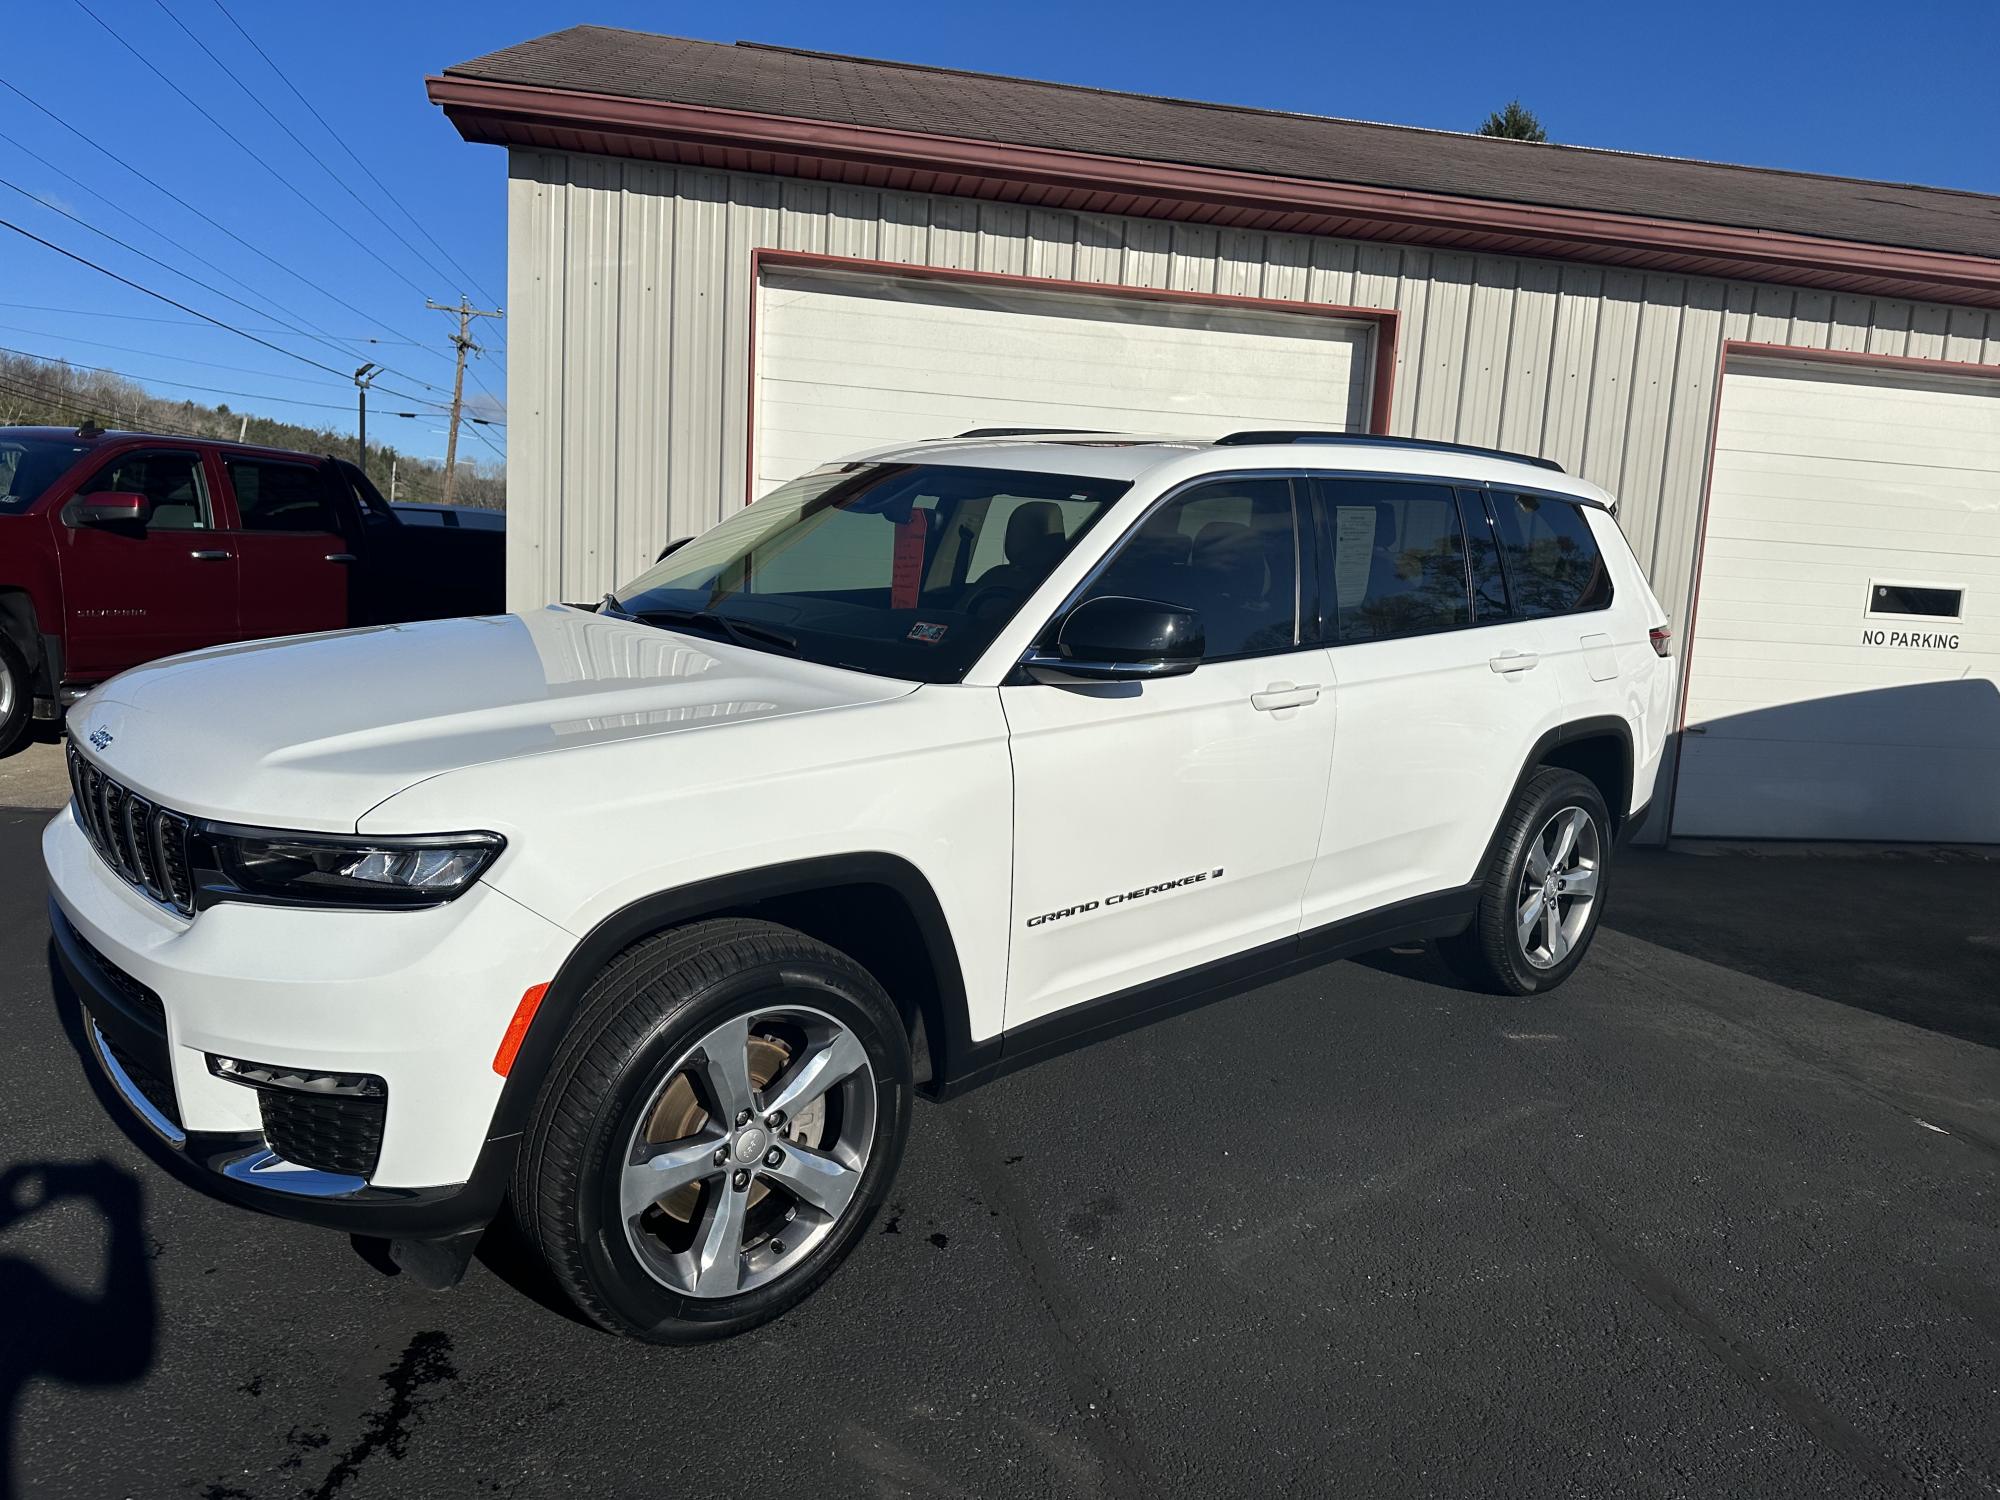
{"points": [[29, 466], [905, 570]]}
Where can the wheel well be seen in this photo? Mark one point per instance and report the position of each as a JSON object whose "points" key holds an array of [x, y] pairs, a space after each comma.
{"points": [[877, 928], [17, 623], [1606, 761]]}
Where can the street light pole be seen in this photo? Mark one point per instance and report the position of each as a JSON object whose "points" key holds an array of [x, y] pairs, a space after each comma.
{"points": [[363, 378]]}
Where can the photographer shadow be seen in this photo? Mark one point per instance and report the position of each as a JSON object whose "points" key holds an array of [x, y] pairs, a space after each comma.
{"points": [[48, 1331]]}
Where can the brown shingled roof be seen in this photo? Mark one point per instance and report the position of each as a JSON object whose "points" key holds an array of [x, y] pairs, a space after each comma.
{"points": [[982, 107]]}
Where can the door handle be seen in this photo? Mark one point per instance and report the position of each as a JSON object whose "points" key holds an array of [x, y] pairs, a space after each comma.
{"points": [[1511, 660], [1284, 695], [209, 554], [340, 557]]}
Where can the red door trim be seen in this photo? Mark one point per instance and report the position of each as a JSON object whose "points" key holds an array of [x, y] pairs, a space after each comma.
{"points": [[1801, 354], [1385, 321]]}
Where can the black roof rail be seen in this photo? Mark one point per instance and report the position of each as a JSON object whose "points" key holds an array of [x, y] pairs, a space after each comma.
{"points": [[977, 432], [1376, 440]]}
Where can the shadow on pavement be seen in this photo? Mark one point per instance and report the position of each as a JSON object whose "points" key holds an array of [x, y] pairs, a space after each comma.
{"points": [[99, 1338], [1915, 937]]}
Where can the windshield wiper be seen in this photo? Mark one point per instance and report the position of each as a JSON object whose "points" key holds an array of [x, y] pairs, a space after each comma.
{"points": [[741, 632]]}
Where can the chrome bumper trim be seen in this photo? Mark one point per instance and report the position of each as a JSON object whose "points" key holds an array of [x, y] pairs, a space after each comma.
{"points": [[264, 1168], [140, 1105]]}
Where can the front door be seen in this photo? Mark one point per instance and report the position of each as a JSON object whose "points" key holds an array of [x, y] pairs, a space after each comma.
{"points": [[1168, 824], [1443, 689], [296, 560], [133, 593]]}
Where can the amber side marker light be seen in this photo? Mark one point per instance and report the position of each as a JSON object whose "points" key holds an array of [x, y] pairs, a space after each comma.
{"points": [[517, 1029]]}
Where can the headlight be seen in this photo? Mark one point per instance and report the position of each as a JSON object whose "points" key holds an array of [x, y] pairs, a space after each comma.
{"points": [[324, 870]]}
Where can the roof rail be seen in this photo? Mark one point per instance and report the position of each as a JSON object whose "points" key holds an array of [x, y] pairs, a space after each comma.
{"points": [[979, 432], [1377, 440]]}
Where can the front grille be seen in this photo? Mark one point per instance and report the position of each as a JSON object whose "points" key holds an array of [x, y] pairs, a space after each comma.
{"points": [[159, 1093], [329, 1132], [142, 1001], [146, 844]]}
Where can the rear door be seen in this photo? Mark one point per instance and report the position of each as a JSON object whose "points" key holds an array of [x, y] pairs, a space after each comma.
{"points": [[133, 593], [1442, 691], [294, 557]]}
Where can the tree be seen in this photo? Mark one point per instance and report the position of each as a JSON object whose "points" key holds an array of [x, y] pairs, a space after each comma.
{"points": [[1514, 123]]}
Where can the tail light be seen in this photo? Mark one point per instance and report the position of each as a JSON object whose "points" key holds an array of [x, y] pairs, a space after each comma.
{"points": [[1662, 637]]}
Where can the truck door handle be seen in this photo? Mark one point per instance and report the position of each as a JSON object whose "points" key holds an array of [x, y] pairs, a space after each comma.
{"points": [[1284, 695], [340, 557], [1511, 660], [209, 554]]}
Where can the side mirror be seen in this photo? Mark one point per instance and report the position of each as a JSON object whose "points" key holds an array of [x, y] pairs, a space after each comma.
{"points": [[111, 508], [672, 547], [1115, 639]]}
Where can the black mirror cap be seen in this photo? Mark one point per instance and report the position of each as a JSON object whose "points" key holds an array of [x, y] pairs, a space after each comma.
{"points": [[1119, 639]]}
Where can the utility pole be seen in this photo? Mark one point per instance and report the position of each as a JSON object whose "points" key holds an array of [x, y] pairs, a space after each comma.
{"points": [[363, 378], [392, 481], [462, 340]]}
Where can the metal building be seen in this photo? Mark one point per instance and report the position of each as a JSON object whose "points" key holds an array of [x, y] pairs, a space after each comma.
{"points": [[729, 263]]}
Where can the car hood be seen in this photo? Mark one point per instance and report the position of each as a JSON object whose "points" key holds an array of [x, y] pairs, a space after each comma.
{"points": [[311, 732]]}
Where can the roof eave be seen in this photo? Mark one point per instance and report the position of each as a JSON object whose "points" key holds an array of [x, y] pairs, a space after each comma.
{"points": [[508, 114]]}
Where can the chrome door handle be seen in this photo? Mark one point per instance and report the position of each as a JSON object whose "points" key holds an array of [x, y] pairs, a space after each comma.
{"points": [[1512, 661], [340, 557], [209, 554], [1284, 695]]}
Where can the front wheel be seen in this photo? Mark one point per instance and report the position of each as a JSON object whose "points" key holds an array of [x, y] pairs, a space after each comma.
{"points": [[1543, 892], [717, 1131]]}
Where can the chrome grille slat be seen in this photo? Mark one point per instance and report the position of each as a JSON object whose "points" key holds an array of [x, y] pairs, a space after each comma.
{"points": [[145, 843]]}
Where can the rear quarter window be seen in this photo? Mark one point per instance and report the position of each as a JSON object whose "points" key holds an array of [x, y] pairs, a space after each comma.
{"points": [[1554, 563]]}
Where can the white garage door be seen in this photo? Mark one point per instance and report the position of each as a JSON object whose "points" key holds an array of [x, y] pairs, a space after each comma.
{"points": [[846, 361], [1847, 640]]}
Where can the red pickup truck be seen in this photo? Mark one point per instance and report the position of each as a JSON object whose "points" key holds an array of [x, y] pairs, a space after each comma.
{"points": [[119, 547]]}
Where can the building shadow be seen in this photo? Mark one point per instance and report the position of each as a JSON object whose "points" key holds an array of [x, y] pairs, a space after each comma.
{"points": [[105, 1336]]}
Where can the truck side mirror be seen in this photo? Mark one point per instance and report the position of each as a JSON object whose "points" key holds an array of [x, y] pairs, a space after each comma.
{"points": [[1114, 639], [110, 508]]}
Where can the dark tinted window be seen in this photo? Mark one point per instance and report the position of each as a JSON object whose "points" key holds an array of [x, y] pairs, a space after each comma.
{"points": [[1489, 583], [171, 480], [1229, 550], [28, 466], [1398, 559], [1553, 562], [280, 497]]}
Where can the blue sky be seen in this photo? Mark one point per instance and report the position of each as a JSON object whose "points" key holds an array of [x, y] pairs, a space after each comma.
{"points": [[1839, 87]]}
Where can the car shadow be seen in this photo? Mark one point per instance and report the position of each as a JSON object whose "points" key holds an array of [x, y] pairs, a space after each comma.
{"points": [[105, 1336]]}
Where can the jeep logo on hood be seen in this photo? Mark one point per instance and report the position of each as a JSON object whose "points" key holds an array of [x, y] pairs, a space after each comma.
{"points": [[100, 737]]}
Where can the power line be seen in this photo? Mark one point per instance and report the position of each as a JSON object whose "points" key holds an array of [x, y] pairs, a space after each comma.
{"points": [[216, 224], [167, 354], [194, 104], [195, 280], [341, 141], [98, 312], [186, 385], [272, 114]]}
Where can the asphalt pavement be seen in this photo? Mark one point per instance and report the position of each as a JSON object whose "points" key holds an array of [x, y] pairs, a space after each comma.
{"points": [[1674, 1230]]}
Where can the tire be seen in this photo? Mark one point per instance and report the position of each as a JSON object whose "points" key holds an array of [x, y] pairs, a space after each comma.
{"points": [[1502, 953], [17, 697], [641, 1082]]}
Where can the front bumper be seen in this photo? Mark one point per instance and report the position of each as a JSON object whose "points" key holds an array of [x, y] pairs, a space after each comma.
{"points": [[418, 1000]]}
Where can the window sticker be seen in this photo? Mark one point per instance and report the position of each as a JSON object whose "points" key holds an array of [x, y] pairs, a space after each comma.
{"points": [[930, 635], [907, 575], [1354, 550]]}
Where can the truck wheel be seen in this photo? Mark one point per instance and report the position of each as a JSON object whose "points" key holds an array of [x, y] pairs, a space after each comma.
{"points": [[17, 697], [716, 1131], [1543, 892]]}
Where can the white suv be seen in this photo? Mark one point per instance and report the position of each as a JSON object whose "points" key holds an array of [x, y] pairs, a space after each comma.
{"points": [[655, 918]]}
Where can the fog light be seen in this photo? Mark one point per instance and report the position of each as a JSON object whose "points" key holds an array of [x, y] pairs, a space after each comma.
{"points": [[299, 1080]]}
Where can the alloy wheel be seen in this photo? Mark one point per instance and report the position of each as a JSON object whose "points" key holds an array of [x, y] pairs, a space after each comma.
{"points": [[749, 1152], [1558, 887]]}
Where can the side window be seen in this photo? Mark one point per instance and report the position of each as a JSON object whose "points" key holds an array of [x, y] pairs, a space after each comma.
{"points": [[1482, 554], [1229, 550], [273, 496], [1398, 559], [172, 480], [1553, 561]]}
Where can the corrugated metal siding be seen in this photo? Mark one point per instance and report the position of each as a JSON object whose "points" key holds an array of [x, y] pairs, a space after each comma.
{"points": [[631, 340]]}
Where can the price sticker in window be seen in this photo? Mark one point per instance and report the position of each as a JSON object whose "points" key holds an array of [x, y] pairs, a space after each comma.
{"points": [[906, 578]]}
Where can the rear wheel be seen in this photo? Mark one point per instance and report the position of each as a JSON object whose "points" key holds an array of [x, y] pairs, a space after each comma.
{"points": [[717, 1131], [1543, 892], [17, 697]]}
